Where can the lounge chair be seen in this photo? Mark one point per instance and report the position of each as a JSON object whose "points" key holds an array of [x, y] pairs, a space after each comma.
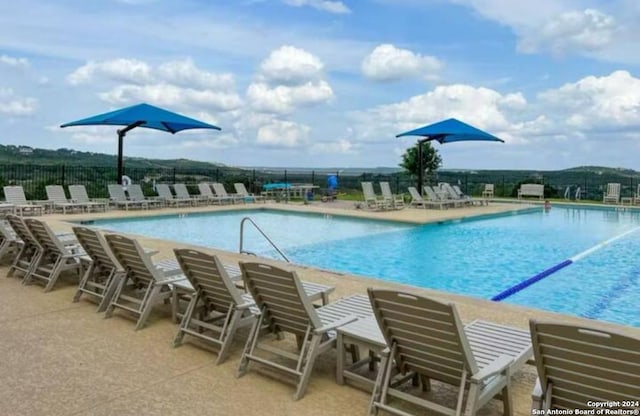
{"points": [[183, 193], [205, 191], [581, 365], [119, 198], [284, 308], [9, 241], [416, 198], [135, 194], [15, 196], [29, 251], [242, 191], [150, 284], [488, 190], [452, 196], [395, 201], [371, 199], [55, 194], [79, 194], [612, 193], [56, 257], [436, 199], [427, 341], [220, 191], [461, 195], [164, 193], [103, 273], [216, 309]]}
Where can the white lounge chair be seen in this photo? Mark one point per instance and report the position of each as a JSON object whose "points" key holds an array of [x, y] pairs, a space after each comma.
{"points": [[205, 191], [371, 199], [242, 191], [220, 191], [580, 366], [15, 196], [488, 190], [395, 201], [284, 308], [79, 194], [150, 284], [55, 259], [135, 194], [435, 198], [427, 341], [216, 309], [612, 194], [164, 193], [183, 193], [30, 249], [119, 198], [452, 196], [103, 272], [55, 193]]}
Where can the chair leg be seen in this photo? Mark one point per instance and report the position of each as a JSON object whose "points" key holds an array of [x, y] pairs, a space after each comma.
{"points": [[186, 319], [506, 399], [83, 282], [312, 353], [55, 273], [249, 347], [114, 300], [472, 399], [148, 304], [110, 288], [227, 337]]}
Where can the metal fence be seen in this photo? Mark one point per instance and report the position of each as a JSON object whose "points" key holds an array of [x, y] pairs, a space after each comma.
{"points": [[558, 184]]}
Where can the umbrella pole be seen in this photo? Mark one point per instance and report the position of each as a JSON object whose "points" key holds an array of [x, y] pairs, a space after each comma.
{"points": [[121, 135]]}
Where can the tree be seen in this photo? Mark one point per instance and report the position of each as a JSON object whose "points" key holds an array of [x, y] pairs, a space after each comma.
{"points": [[431, 160]]}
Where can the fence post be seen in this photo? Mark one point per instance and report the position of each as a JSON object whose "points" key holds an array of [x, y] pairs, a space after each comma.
{"points": [[286, 193], [62, 175], [313, 177], [503, 190], [253, 182]]}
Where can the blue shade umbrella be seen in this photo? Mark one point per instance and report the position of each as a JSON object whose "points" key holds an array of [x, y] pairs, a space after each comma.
{"points": [[141, 115], [447, 131]]}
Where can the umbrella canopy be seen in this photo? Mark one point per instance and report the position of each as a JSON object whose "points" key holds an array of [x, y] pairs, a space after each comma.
{"points": [[141, 115], [451, 130], [447, 131]]}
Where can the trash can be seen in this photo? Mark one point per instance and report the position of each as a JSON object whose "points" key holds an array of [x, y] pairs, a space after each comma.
{"points": [[310, 195]]}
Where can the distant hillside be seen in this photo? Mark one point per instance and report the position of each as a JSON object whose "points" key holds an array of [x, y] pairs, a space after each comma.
{"points": [[34, 156]]}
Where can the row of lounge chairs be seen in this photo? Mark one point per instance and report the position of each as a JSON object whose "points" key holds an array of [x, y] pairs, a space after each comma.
{"points": [[426, 338], [79, 201], [443, 196], [388, 200], [214, 193]]}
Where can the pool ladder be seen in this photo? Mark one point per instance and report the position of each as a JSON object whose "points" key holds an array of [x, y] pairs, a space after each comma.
{"points": [[243, 251]]}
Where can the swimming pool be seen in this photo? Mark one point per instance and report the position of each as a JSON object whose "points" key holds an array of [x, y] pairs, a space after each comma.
{"points": [[477, 257]]}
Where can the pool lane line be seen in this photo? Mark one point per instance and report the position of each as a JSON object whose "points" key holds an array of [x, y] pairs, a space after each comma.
{"points": [[539, 276]]}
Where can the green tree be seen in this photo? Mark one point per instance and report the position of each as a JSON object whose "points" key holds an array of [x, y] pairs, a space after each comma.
{"points": [[431, 160]]}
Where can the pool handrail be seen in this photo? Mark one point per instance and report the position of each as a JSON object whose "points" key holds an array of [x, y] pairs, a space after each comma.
{"points": [[241, 249]]}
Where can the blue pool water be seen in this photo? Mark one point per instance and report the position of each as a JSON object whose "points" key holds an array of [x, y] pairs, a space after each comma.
{"points": [[478, 258]]}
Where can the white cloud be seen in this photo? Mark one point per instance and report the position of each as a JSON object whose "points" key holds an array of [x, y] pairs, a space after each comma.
{"points": [[14, 62], [589, 30], [13, 105], [280, 133], [336, 7], [175, 83], [340, 146], [220, 141], [171, 95], [185, 73], [388, 63], [290, 65], [597, 103], [285, 99], [482, 107], [289, 78], [121, 70]]}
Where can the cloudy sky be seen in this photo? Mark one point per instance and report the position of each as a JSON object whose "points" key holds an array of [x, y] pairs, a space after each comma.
{"points": [[324, 83]]}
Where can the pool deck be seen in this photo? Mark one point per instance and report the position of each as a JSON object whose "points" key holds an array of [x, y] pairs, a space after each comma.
{"points": [[62, 358]]}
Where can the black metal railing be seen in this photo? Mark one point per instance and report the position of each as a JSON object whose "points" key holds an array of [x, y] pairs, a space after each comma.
{"points": [[34, 178]]}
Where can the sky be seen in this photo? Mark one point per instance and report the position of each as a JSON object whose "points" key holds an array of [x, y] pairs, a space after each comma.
{"points": [[329, 83]]}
